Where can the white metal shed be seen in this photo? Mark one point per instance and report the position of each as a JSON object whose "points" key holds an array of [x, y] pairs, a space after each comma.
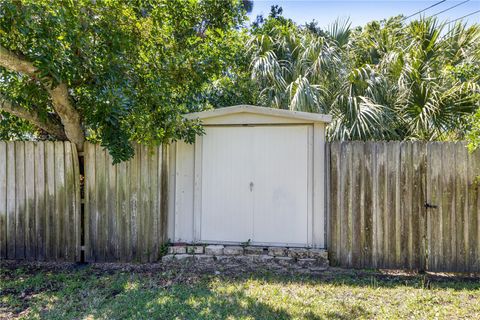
{"points": [[257, 175]]}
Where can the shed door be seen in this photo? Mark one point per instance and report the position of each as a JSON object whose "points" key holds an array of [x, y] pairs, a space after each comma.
{"points": [[226, 208], [255, 184]]}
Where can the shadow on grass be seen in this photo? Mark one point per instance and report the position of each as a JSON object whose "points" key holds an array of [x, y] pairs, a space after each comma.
{"points": [[376, 279], [93, 294], [186, 294], [186, 302]]}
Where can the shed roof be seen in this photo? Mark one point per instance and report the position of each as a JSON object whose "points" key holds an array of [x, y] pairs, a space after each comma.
{"points": [[248, 109]]}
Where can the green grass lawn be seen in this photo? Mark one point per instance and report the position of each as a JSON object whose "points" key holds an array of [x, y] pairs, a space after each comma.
{"points": [[92, 293]]}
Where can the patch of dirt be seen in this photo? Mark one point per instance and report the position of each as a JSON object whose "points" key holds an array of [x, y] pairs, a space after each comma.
{"points": [[192, 270], [111, 268]]}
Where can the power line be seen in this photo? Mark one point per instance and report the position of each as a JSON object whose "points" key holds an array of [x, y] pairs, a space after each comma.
{"points": [[458, 4], [433, 5], [467, 15]]}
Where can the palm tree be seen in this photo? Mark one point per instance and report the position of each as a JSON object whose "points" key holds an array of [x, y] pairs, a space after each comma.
{"points": [[431, 101], [387, 81]]}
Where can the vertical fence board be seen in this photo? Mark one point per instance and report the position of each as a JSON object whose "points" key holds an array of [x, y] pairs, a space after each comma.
{"points": [[3, 200], [476, 200], [30, 237], [111, 245], [144, 205], [377, 195], [397, 241], [369, 206], [447, 244], [35, 221], [417, 221], [90, 228], [128, 213], [334, 241], [391, 206], [125, 205], [346, 173], [50, 201], [70, 199], [20, 200], [40, 212], [387, 206], [461, 202], [164, 165], [76, 202], [122, 211], [134, 191], [381, 205], [373, 216], [154, 196], [454, 220], [356, 219], [474, 210], [374, 206], [377, 211], [434, 184], [11, 200], [59, 201], [100, 208], [140, 214], [405, 200]]}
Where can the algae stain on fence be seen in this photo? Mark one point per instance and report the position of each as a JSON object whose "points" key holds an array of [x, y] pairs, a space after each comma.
{"points": [[377, 196], [33, 198], [131, 208], [405, 233]]}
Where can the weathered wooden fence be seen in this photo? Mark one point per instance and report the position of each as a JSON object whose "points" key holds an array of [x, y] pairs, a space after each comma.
{"points": [[453, 188], [409, 205], [125, 213], [39, 201]]}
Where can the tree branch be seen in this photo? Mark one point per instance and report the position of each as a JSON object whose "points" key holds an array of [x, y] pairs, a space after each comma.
{"points": [[69, 116], [49, 125], [12, 62]]}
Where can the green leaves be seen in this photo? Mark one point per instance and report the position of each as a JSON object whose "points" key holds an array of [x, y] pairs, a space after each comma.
{"points": [[132, 67], [383, 82], [473, 135], [13, 128]]}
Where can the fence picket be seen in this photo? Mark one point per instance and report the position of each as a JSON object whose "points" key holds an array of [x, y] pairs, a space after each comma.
{"points": [[30, 246], [33, 223], [3, 200], [377, 195], [40, 212], [125, 206], [398, 178]]}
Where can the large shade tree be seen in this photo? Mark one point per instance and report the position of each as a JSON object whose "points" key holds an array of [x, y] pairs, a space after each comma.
{"points": [[114, 71]]}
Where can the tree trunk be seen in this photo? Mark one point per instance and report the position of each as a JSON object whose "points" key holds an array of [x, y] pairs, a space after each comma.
{"points": [[68, 115], [50, 126]]}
